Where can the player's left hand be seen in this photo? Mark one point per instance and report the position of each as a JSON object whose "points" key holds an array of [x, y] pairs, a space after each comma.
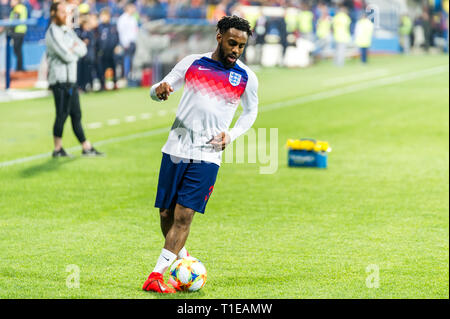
{"points": [[220, 141]]}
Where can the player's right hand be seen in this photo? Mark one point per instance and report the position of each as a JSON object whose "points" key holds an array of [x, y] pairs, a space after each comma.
{"points": [[163, 91]]}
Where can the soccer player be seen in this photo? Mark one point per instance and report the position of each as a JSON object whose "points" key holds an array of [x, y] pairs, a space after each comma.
{"points": [[214, 84]]}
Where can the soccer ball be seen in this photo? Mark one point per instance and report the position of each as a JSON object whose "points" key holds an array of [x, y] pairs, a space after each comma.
{"points": [[189, 273]]}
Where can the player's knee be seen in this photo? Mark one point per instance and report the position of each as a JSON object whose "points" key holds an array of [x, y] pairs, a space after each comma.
{"points": [[183, 218], [166, 214]]}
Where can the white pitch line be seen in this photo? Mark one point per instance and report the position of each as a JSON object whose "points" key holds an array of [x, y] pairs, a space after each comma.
{"points": [[130, 118], [146, 116], [356, 88], [356, 77], [113, 122], [162, 112], [274, 106], [94, 125]]}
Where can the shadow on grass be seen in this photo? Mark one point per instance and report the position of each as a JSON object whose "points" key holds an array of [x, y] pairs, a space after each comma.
{"points": [[50, 165]]}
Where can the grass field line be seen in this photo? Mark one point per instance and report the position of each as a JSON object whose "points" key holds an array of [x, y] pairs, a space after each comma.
{"points": [[357, 87], [356, 77], [128, 119], [322, 95]]}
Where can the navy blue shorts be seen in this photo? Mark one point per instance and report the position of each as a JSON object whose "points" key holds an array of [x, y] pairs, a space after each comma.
{"points": [[185, 182]]}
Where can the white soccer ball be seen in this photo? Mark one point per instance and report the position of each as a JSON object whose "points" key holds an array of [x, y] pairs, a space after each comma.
{"points": [[189, 273]]}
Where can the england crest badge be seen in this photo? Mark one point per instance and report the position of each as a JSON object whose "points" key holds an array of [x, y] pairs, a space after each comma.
{"points": [[234, 78]]}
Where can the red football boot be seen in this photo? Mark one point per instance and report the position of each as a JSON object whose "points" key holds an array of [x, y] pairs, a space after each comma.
{"points": [[155, 282], [174, 284]]}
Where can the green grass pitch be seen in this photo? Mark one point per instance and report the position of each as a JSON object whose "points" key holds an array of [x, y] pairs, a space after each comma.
{"points": [[378, 214]]}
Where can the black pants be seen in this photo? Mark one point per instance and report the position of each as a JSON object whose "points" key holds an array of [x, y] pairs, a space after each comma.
{"points": [[18, 43], [105, 62], [67, 102], [85, 73]]}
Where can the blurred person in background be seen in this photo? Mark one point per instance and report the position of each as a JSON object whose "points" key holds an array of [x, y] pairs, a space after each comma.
{"points": [[86, 64], [405, 30], [291, 20], [323, 30], [305, 22], [425, 24], [445, 8], [107, 47], [127, 27], [341, 32], [363, 36], [73, 14], [219, 11], [64, 49], [280, 24], [260, 32], [19, 12], [4, 11]]}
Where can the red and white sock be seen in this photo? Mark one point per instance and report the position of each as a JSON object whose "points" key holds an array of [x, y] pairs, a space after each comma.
{"points": [[164, 261]]}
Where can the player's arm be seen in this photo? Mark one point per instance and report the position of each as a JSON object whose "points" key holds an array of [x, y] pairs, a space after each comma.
{"points": [[162, 91], [173, 81], [245, 121]]}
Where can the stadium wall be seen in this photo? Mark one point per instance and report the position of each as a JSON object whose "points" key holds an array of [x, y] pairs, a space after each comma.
{"points": [[32, 55]]}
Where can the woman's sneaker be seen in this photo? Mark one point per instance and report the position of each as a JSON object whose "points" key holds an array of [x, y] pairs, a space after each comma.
{"points": [[60, 153], [92, 152]]}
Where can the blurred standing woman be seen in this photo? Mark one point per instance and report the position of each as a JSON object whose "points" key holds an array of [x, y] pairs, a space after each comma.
{"points": [[64, 49]]}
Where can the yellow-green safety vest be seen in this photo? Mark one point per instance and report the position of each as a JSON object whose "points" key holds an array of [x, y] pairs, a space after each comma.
{"points": [[252, 18], [323, 28], [341, 28], [364, 32], [305, 21], [19, 12], [406, 26], [291, 22]]}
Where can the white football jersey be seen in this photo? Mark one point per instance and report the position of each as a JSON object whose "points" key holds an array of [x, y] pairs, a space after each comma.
{"points": [[212, 94]]}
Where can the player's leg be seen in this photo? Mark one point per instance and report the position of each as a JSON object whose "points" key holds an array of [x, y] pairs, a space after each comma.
{"points": [[166, 222], [170, 176], [178, 233], [194, 192], [175, 239]]}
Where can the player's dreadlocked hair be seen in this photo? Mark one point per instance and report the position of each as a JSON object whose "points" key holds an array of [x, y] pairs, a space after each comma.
{"points": [[234, 22]]}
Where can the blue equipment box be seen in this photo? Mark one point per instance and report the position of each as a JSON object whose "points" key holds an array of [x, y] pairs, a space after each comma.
{"points": [[302, 158]]}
